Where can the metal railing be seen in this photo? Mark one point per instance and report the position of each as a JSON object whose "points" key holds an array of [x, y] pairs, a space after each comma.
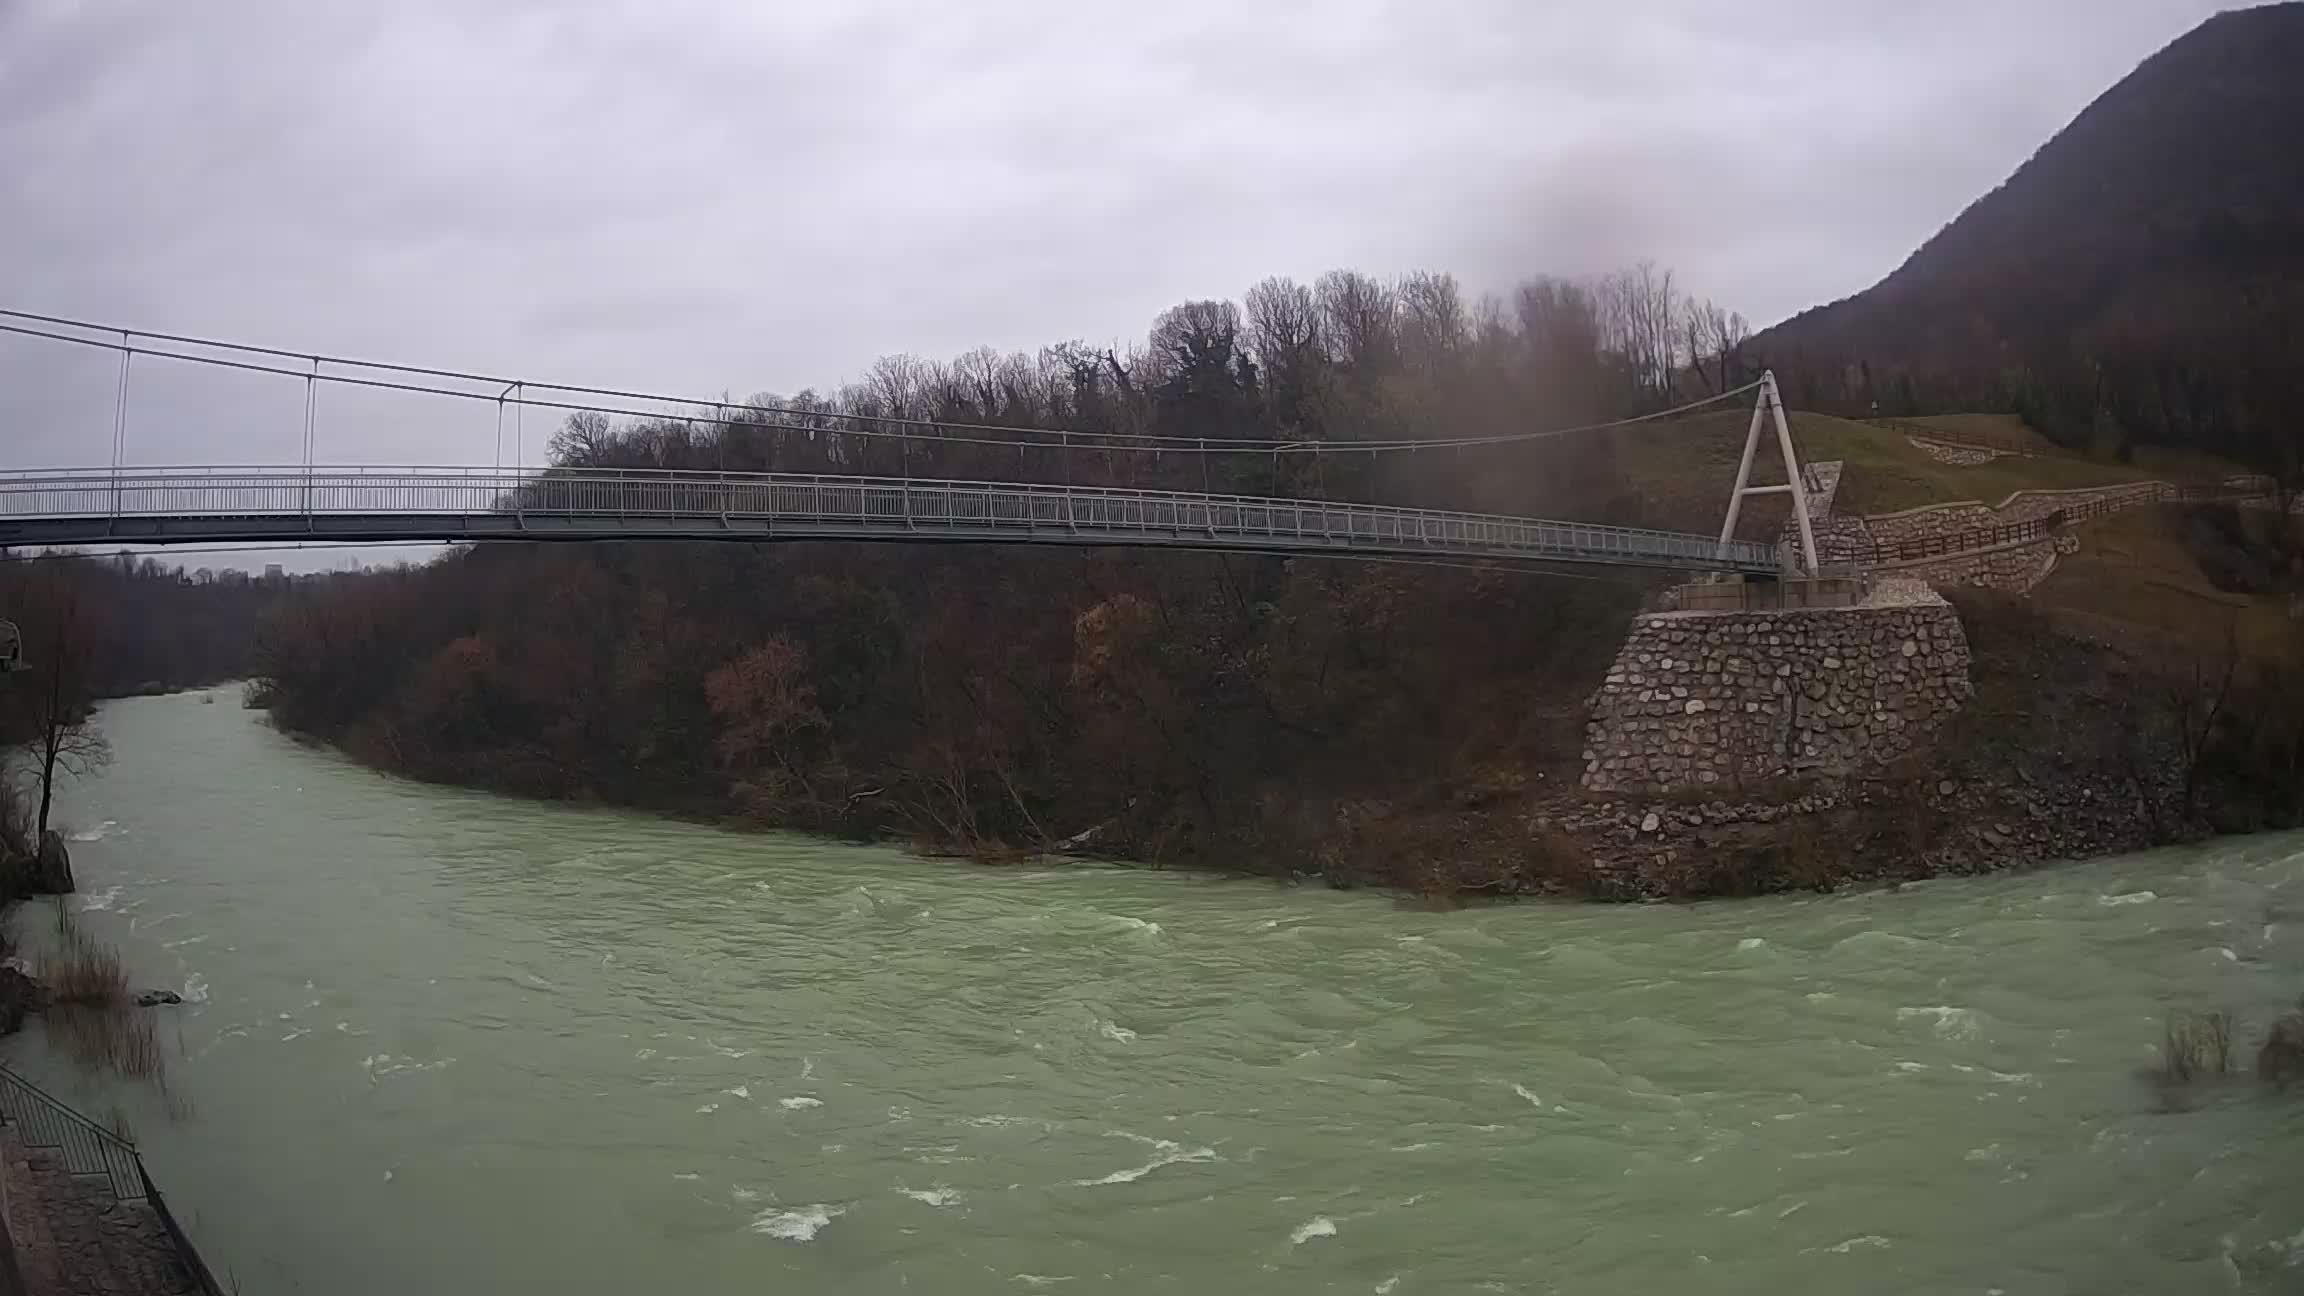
{"points": [[167, 504], [1919, 548], [84, 1147]]}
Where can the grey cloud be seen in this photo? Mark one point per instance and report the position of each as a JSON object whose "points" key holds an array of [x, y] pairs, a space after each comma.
{"points": [[723, 196]]}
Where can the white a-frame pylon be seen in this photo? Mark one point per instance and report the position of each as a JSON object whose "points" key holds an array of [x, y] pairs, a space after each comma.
{"points": [[1771, 405]]}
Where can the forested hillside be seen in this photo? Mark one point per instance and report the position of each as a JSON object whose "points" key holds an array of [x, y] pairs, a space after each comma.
{"points": [[2139, 280], [1235, 710], [134, 624]]}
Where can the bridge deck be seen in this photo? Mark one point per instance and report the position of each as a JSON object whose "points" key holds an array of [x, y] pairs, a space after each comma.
{"points": [[185, 505]]}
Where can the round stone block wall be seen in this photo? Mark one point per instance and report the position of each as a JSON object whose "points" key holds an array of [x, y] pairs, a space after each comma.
{"points": [[1706, 699]]}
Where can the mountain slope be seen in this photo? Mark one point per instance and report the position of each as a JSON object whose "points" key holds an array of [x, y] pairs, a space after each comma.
{"points": [[2141, 278]]}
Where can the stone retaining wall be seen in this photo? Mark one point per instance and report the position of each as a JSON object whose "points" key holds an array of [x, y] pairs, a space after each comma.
{"points": [[2023, 506], [1719, 699], [1959, 456], [2009, 568]]}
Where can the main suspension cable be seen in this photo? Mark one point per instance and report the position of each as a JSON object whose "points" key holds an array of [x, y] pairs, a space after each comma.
{"points": [[871, 425]]}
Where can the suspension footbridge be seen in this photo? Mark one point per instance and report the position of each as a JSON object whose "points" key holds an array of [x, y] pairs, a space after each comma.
{"points": [[295, 504], [127, 504]]}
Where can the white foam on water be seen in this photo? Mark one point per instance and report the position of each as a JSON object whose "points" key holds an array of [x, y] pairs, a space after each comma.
{"points": [[799, 1225], [1165, 1153], [1385, 1287], [104, 899], [384, 1064], [725, 1052], [807, 1068], [1411, 1147], [743, 1194], [1867, 1240], [999, 1120], [96, 833], [1522, 1090], [1951, 1022], [2128, 898], [1041, 1280], [644, 1054], [1751, 943], [296, 1034], [1319, 1226], [686, 1176], [937, 1196], [181, 942], [1115, 1031], [740, 1091], [707, 1109], [801, 1102]]}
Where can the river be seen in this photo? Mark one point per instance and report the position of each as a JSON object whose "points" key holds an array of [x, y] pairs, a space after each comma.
{"points": [[447, 1042]]}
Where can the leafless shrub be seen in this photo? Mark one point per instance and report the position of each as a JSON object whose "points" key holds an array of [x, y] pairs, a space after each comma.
{"points": [[90, 1014], [2195, 1046], [2281, 1059]]}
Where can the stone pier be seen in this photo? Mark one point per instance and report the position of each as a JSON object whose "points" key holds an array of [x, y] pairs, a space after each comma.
{"points": [[1719, 699]]}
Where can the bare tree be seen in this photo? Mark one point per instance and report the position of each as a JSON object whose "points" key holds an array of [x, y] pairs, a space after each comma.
{"points": [[1359, 320], [1198, 338], [1639, 317], [584, 440], [59, 693], [1434, 323], [1283, 328], [2196, 703], [1715, 338], [1560, 326]]}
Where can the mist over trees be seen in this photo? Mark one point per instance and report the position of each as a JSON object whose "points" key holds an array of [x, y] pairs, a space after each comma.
{"points": [[1348, 358], [1168, 705]]}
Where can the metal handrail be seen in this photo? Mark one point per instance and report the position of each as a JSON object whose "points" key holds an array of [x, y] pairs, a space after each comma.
{"points": [[1976, 539], [41, 1120], [867, 504]]}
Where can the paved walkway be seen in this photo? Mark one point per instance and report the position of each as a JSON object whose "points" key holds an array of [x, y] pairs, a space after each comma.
{"points": [[73, 1239]]}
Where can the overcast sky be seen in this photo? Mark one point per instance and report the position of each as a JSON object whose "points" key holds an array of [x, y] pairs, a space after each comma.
{"points": [[742, 195]]}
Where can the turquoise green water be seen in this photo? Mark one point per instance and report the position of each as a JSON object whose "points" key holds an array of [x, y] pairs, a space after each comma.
{"points": [[444, 1042]]}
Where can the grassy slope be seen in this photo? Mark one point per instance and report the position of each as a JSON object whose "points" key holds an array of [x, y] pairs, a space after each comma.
{"points": [[1682, 470], [2136, 583], [2133, 582], [2006, 427]]}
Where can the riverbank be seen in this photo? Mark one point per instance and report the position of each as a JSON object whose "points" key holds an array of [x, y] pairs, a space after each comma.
{"points": [[2070, 745], [518, 1030]]}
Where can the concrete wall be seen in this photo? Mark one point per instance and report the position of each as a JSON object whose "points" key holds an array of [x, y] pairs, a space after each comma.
{"points": [[1705, 699]]}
